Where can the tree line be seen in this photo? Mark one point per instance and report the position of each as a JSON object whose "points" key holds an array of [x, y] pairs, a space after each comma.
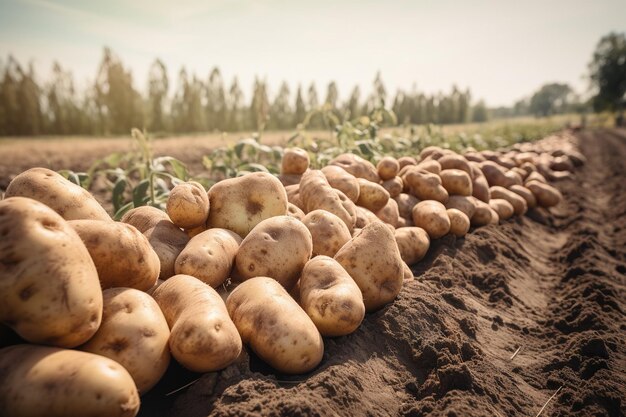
{"points": [[112, 104]]}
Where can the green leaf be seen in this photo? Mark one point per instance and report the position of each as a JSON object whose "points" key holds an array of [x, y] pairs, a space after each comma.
{"points": [[252, 167], [140, 193], [118, 193], [122, 210]]}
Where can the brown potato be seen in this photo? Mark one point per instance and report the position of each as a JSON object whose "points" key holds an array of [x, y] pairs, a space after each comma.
{"points": [[277, 329], [406, 202], [430, 165], [424, 185], [330, 297], [413, 243], [546, 195], [526, 194], [364, 217], [295, 161], [408, 274], [295, 211], [239, 204], [495, 174], [69, 200], [329, 232], [209, 256], [454, 161], [340, 179], [122, 255], [406, 160], [480, 189], [535, 176], [316, 193], [388, 168], [203, 338], [289, 179], [456, 181], [293, 196], [431, 150], [49, 288], [465, 204], [278, 247], [357, 166], [372, 259], [144, 218], [372, 196], [393, 186], [482, 215], [389, 214], [431, 216], [503, 207], [519, 204], [459, 222], [188, 205]]}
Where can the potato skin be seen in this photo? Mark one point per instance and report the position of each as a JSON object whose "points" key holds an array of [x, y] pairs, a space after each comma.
{"points": [[424, 185], [188, 205], [239, 204], [388, 168], [456, 181], [518, 202], [295, 161], [144, 218], [357, 166], [69, 200], [122, 255], [295, 211], [390, 213], [501, 206], [431, 216], [454, 161], [209, 256], [330, 297], [413, 243], [316, 193], [372, 259], [482, 215], [328, 232], [203, 338], [372, 196], [53, 382], [49, 287], [278, 247], [394, 186], [546, 195], [459, 222], [465, 204], [342, 180], [134, 334], [277, 329], [406, 202]]}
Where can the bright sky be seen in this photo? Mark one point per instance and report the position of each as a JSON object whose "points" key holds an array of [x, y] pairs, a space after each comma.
{"points": [[502, 50]]}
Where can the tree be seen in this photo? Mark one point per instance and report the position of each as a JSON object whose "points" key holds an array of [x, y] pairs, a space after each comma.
{"points": [[158, 85], [479, 112], [300, 108], [215, 101], [352, 107], [235, 110], [550, 99], [280, 113], [259, 108], [608, 72]]}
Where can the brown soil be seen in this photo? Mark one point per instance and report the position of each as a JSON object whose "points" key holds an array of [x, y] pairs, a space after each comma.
{"points": [[551, 284]]}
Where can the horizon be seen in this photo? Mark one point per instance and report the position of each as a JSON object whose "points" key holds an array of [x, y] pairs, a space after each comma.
{"points": [[511, 51]]}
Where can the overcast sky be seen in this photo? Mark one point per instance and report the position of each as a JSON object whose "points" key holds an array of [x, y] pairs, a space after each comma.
{"points": [[501, 50]]}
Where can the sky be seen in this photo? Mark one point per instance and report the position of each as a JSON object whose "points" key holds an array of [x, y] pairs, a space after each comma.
{"points": [[501, 50]]}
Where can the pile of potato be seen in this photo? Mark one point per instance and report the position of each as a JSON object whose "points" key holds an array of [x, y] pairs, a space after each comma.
{"points": [[273, 263]]}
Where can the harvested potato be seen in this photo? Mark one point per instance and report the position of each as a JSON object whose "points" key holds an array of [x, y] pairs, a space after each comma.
{"points": [[49, 287], [340, 179], [155, 286], [431, 216], [191, 233], [144, 218], [209, 256], [278, 247], [357, 166], [431, 151], [372, 259], [389, 214], [402, 222], [330, 297], [69, 200], [406, 202], [526, 194], [329, 233], [454, 161], [495, 174], [53, 382], [482, 214], [295, 161], [122, 255], [424, 185], [134, 334], [188, 205], [239, 204], [293, 196], [371, 196], [277, 329], [480, 188], [495, 218], [289, 179], [456, 181], [474, 156], [408, 274], [364, 217], [430, 165], [514, 177], [503, 207], [406, 160], [295, 211], [465, 204], [413, 243], [546, 195], [388, 168], [203, 338], [518, 202], [535, 176], [394, 186], [459, 222], [316, 193]]}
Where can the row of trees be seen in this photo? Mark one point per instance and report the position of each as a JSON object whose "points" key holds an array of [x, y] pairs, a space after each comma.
{"points": [[113, 105]]}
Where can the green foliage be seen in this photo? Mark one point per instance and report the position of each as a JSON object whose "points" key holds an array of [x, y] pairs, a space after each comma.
{"points": [[608, 72], [551, 99]]}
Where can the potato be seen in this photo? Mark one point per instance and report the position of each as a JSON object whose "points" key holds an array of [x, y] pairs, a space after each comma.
{"points": [[393, 186], [66, 198], [144, 218], [402, 222], [459, 222], [53, 382], [195, 231], [465, 204], [406, 202], [372, 196], [295, 161], [389, 214], [546, 195], [520, 172], [329, 233], [289, 179], [277, 329], [474, 156], [122, 255], [388, 168], [482, 215], [209, 256], [340, 179], [535, 176], [372, 259], [49, 288], [480, 189], [456, 181], [430, 165], [424, 185], [330, 297], [134, 334], [293, 196], [316, 193], [519, 204], [514, 177], [431, 216], [357, 166], [203, 338], [431, 151], [526, 194], [406, 160], [503, 207], [188, 205], [278, 247], [364, 217], [495, 218], [239, 204], [408, 274], [413, 243], [155, 286], [295, 211], [495, 174], [454, 161]]}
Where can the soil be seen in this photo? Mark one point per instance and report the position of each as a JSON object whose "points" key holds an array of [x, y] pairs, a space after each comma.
{"points": [[496, 323]]}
